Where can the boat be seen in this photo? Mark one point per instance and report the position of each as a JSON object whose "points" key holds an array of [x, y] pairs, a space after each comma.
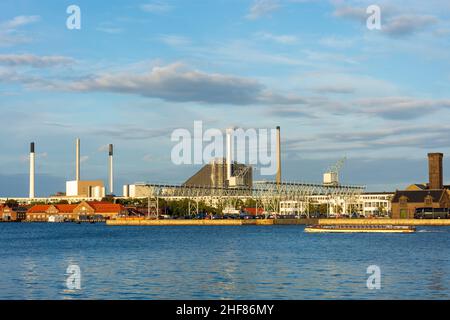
{"points": [[359, 229], [230, 210], [55, 219]]}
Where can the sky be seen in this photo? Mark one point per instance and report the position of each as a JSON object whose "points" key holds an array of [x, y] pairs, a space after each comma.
{"points": [[138, 70]]}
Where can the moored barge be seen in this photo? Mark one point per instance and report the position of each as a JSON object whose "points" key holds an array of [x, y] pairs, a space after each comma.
{"points": [[359, 229]]}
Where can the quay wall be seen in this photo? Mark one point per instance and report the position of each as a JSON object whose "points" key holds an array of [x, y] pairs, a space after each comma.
{"points": [[397, 222], [271, 222], [227, 222]]}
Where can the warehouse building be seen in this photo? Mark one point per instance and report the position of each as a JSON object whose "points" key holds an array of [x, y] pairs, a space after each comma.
{"points": [[426, 196], [405, 203], [74, 211], [12, 213]]}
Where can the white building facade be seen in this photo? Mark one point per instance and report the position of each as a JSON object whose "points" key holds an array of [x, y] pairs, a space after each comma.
{"points": [[376, 204]]}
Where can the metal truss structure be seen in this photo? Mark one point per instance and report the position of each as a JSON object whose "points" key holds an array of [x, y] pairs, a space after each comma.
{"points": [[266, 194], [271, 194]]}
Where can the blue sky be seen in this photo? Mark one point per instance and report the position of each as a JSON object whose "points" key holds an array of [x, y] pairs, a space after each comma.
{"points": [[137, 70]]}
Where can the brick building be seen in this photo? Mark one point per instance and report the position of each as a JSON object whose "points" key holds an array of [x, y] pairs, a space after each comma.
{"points": [[74, 211], [432, 195], [105, 209], [12, 213], [405, 203], [44, 211]]}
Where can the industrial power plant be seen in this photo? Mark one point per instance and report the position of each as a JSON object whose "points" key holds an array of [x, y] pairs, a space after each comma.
{"points": [[78, 188], [221, 173], [224, 183]]}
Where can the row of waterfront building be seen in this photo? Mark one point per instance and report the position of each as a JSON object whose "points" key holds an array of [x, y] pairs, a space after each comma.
{"points": [[400, 204], [60, 212], [282, 199], [367, 204]]}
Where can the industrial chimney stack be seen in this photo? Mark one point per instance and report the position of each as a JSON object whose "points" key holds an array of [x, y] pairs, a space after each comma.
{"points": [[278, 156], [435, 171], [77, 160], [32, 160], [111, 180], [229, 153]]}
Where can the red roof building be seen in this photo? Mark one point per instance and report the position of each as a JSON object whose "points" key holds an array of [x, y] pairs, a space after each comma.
{"points": [[73, 211]]}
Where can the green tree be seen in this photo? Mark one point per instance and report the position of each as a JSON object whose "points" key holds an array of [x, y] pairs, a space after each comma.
{"points": [[250, 203], [11, 203]]}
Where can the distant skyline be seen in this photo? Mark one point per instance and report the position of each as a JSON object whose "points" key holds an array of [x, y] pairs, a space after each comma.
{"points": [[137, 70]]}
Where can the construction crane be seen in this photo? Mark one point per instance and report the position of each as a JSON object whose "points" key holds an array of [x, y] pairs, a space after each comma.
{"points": [[331, 176]]}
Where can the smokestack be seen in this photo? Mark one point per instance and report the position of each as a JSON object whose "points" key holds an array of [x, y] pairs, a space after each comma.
{"points": [[229, 152], [435, 174], [77, 160], [32, 160], [111, 182], [278, 156]]}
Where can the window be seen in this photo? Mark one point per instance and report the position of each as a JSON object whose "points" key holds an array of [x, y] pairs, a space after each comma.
{"points": [[403, 200], [403, 214]]}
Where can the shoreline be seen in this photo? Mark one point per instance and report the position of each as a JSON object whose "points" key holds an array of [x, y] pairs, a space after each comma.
{"points": [[272, 222]]}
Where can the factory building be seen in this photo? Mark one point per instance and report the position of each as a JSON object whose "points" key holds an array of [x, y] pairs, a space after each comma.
{"points": [[85, 189], [138, 190], [214, 174], [219, 173], [226, 172], [423, 196], [88, 188]]}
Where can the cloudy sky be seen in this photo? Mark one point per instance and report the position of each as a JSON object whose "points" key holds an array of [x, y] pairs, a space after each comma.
{"points": [[137, 70]]}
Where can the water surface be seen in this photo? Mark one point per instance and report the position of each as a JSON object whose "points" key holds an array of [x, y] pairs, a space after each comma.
{"points": [[242, 262]]}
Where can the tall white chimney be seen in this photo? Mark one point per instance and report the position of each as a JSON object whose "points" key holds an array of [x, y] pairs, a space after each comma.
{"points": [[32, 160], [111, 180], [77, 160], [278, 156], [229, 152]]}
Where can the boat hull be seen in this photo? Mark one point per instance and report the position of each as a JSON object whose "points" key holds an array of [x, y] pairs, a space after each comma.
{"points": [[358, 229]]}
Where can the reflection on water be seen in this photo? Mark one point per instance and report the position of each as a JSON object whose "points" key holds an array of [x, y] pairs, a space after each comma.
{"points": [[277, 262]]}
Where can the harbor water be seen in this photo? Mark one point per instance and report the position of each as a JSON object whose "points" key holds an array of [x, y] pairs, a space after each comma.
{"points": [[219, 262]]}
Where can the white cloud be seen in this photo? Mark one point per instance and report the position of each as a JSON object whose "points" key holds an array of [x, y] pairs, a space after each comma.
{"points": [[83, 159], [110, 30], [347, 82], [177, 83], [400, 107], [19, 21], [334, 88], [33, 60], [240, 51], [283, 39], [103, 148], [262, 8], [175, 40], [350, 12], [408, 24], [156, 7], [337, 42], [9, 33], [396, 20]]}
